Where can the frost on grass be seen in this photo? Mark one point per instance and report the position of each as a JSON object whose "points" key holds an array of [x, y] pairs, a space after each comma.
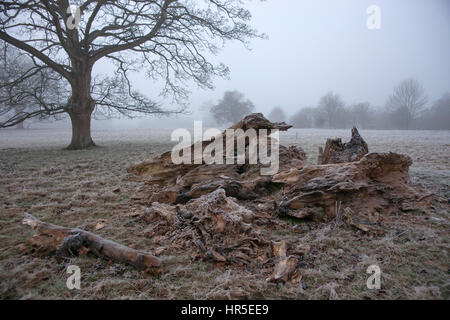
{"points": [[68, 188]]}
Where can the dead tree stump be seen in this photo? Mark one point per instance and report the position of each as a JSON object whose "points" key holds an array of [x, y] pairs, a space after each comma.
{"points": [[337, 152]]}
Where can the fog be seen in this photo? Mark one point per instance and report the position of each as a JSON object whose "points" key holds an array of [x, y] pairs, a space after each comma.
{"points": [[314, 47]]}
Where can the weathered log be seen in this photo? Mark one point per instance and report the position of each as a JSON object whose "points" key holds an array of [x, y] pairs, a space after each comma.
{"points": [[162, 170], [63, 242], [376, 183], [349, 176], [258, 121], [183, 182], [337, 152]]}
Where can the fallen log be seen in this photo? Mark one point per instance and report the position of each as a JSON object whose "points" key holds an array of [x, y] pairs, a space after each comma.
{"points": [[182, 182], [64, 242], [346, 174], [258, 121], [222, 212], [376, 183]]}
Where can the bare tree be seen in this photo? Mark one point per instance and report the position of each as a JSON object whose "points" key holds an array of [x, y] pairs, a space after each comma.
{"points": [[407, 101], [27, 91], [231, 108], [166, 38], [277, 115], [331, 104]]}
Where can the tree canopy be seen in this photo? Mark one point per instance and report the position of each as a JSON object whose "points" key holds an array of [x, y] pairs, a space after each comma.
{"points": [[407, 101], [232, 108], [167, 39], [277, 115]]}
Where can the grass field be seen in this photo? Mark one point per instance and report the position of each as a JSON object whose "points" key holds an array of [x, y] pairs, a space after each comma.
{"points": [[82, 188]]}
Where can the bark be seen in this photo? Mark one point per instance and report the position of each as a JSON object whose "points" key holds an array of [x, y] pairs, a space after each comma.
{"points": [[64, 242], [80, 107], [189, 181], [378, 183], [81, 131], [351, 178]]}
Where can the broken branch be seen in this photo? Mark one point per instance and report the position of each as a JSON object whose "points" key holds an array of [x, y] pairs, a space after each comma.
{"points": [[66, 241]]}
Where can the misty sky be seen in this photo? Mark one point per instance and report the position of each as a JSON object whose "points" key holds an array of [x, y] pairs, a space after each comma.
{"points": [[317, 46]]}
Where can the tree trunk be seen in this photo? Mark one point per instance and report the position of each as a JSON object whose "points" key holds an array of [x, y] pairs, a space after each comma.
{"points": [[81, 131], [80, 107]]}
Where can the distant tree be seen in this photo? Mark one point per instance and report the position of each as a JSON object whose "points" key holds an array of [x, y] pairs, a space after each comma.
{"points": [[439, 114], [304, 118], [231, 108], [406, 102], [277, 115], [331, 105], [168, 39], [360, 114]]}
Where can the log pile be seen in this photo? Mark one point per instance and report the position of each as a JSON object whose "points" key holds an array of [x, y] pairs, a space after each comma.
{"points": [[220, 208], [219, 212], [346, 176], [181, 183]]}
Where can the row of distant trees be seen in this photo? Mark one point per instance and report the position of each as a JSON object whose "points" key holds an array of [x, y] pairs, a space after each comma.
{"points": [[406, 108]]}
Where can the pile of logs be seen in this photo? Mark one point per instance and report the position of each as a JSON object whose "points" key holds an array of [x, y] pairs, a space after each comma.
{"points": [[217, 208], [346, 174]]}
